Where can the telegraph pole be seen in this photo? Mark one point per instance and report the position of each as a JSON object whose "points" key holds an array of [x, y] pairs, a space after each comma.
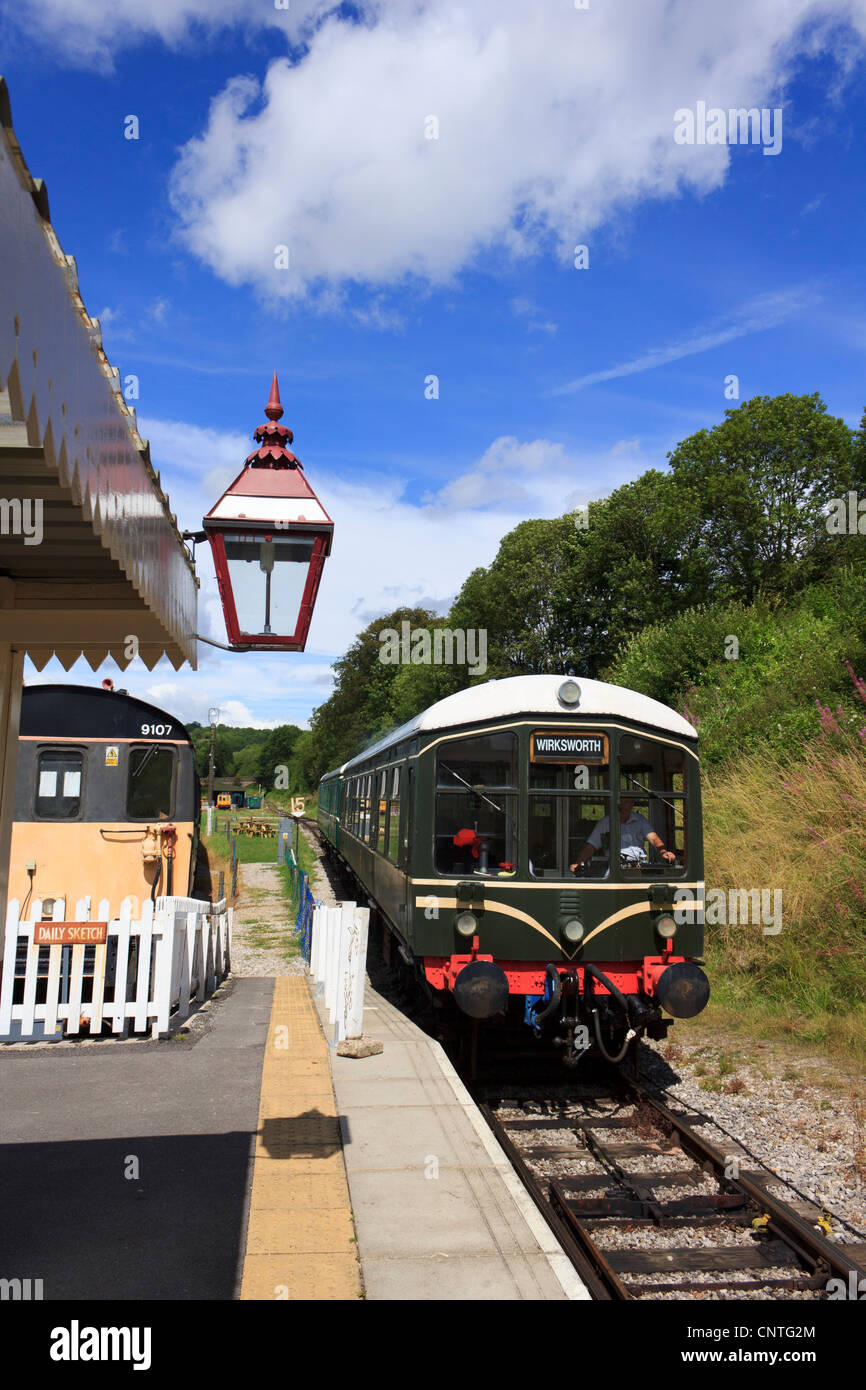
{"points": [[213, 715]]}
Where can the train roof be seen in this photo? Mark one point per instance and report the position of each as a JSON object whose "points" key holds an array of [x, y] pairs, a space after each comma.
{"points": [[89, 711], [516, 695]]}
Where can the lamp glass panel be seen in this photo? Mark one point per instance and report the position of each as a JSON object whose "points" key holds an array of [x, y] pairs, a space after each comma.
{"points": [[259, 611]]}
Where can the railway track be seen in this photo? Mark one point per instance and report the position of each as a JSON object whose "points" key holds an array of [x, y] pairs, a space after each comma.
{"points": [[641, 1202], [646, 1208]]}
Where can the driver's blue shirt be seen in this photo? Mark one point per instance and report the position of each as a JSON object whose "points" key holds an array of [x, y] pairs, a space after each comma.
{"points": [[632, 832]]}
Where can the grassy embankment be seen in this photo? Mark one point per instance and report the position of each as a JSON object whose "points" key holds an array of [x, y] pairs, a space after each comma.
{"points": [[798, 827], [783, 748]]}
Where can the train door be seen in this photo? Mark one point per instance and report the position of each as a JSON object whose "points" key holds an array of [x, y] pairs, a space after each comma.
{"points": [[407, 804]]}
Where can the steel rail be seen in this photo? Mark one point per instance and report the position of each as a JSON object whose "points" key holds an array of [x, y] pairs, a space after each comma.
{"points": [[817, 1257], [784, 1221]]}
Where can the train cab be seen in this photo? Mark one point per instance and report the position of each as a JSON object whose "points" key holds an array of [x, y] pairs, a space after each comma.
{"points": [[106, 800]]}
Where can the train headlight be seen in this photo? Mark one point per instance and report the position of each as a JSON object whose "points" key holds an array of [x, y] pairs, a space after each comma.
{"points": [[573, 930], [665, 925], [569, 693], [467, 924]]}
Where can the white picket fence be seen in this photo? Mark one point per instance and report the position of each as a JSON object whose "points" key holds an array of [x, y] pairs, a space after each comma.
{"points": [[175, 951], [338, 957]]}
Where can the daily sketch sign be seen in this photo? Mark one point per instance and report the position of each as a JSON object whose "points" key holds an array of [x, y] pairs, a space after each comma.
{"points": [[70, 934]]}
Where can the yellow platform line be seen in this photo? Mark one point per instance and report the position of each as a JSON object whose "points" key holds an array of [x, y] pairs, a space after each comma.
{"points": [[300, 1237]]}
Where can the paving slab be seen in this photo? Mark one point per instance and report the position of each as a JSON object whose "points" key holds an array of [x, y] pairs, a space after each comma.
{"points": [[438, 1210]]}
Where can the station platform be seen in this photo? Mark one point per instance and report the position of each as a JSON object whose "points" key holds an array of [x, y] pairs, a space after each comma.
{"points": [[243, 1159], [438, 1211]]}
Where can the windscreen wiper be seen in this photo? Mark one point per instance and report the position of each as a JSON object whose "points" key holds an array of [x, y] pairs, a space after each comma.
{"points": [[650, 792], [474, 790]]}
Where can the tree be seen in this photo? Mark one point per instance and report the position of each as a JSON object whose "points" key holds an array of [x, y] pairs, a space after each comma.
{"points": [[360, 708], [521, 600], [763, 479], [276, 751]]}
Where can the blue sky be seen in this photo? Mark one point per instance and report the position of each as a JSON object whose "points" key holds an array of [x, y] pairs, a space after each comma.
{"points": [[453, 256]]}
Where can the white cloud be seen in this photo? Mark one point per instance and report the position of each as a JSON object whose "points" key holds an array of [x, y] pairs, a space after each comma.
{"points": [[508, 475], [550, 121], [91, 33], [762, 312], [524, 308]]}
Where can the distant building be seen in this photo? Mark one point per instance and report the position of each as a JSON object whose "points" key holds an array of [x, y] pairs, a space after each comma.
{"points": [[244, 791]]}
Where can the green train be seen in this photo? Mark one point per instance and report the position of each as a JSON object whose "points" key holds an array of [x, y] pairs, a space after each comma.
{"points": [[534, 846]]}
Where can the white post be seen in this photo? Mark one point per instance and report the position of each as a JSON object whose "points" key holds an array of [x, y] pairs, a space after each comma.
{"points": [[141, 1011], [163, 926], [122, 969], [357, 971], [332, 969], [9, 951], [314, 944], [209, 820], [347, 918]]}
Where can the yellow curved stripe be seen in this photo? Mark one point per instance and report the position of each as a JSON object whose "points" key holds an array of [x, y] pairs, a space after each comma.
{"points": [[503, 909], [620, 916]]}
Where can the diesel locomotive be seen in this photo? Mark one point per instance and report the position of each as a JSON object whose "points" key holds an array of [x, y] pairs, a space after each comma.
{"points": [[533, 846], [106, 800]]}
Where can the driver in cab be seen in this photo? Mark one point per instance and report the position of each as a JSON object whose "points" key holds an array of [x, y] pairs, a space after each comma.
{"points": [[634, 829]]}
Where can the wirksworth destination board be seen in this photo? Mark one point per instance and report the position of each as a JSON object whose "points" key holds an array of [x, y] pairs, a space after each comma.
{"points": [[553, 746]]}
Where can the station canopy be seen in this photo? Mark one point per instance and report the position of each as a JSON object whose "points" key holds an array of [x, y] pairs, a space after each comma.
{"points": [[90, 552]]}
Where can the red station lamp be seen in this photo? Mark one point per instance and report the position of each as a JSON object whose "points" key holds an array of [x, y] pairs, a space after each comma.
{"points": [[269, 535]]}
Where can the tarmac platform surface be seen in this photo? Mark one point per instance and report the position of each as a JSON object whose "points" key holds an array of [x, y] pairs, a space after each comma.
{"points": [[438, 1210], [221, 1165]]}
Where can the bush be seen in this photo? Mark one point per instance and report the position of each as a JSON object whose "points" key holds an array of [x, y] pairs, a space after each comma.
{"points": [[788, 659]]}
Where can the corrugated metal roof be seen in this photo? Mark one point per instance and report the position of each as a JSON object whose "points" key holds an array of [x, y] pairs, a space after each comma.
{"points": [[111, 563]]}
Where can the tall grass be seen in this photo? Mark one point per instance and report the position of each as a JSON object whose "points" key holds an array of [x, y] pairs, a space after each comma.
{"points": [[798, 825]]}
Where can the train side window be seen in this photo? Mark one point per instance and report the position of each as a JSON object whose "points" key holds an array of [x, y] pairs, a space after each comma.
{"points": [[59, 775], [382, 802], [150, 782], [394, 816]]}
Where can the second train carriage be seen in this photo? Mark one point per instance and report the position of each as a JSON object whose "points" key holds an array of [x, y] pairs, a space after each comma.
{"points": [[534, 845]]}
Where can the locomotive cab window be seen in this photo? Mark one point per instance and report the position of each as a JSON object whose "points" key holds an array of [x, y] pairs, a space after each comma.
{"points": [[58, 784], [150, 782], [652, 801], [476, 805], [569, 806]]}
